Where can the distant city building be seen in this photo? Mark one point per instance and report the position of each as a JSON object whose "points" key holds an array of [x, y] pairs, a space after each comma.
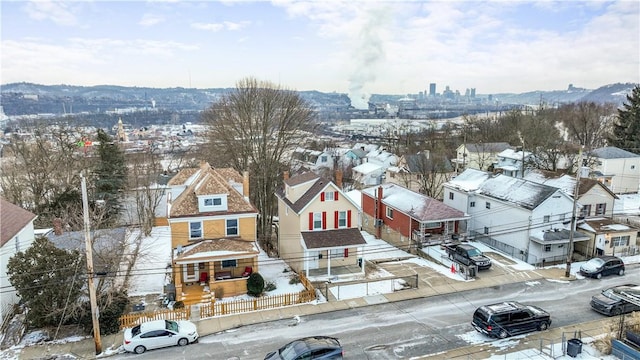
{"points": [[432, 89], [473, 92]]}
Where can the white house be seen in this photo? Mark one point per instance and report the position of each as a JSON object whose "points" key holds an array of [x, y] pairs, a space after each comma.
{"points": [[513, 163], [524, 219], [16, 235], [618, 169]]}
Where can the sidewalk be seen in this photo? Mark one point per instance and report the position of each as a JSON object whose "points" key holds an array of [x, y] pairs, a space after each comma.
{"points": [[85, 349]]}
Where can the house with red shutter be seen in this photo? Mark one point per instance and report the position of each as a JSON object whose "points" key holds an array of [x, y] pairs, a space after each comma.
{"points": [[318, 228], [406, 219]]}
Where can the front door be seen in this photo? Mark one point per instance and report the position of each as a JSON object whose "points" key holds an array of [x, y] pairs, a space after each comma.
{"points": [[189, 273]]}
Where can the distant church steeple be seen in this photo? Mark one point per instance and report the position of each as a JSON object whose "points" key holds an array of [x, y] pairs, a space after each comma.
{"points": [[122, 135]]}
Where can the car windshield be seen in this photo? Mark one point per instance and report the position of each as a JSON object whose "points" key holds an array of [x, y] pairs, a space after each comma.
{"points": [[171, 325], [474, 252], [611, 294], [290, 351], [593, 264]]}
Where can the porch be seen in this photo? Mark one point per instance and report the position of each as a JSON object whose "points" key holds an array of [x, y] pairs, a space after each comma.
{"points": [[345, 272]]}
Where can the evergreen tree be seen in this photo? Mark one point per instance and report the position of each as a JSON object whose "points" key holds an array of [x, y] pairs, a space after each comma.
{"points": [[626, 130], [110, 177], [49, 280]]}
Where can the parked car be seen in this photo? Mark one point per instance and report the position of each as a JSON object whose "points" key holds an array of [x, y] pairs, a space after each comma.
{"points": [[509, 318], [313, 347], [159, 333], [602, 266], [468, 255], [612, 301]]}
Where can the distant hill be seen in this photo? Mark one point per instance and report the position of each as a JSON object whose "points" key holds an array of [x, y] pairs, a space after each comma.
{"points": [[613, 93], [27, 98]]}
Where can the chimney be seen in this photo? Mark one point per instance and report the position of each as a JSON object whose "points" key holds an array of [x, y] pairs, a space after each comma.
{"points": [[245, 184], [339, 179], [378, 216], [57, 226], [285, 175]]}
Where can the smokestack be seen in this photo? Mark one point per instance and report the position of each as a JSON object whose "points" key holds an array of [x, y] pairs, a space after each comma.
{"points": [[245, 184], [339, 179], [285, 175], [57, 226]]}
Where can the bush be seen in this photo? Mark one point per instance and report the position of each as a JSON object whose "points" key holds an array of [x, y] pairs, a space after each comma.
{"points": [[294, 279], [270, 286], [111, 307], [178, 305], [255, 284]]}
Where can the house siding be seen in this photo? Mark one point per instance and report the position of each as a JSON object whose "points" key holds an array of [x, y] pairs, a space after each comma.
{"points": [[22, 240]]}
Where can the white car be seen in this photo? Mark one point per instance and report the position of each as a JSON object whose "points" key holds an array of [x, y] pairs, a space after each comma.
{"points": [[159, 333]]}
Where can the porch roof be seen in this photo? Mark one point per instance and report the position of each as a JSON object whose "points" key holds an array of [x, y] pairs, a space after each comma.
{"points": [[559, 236], [332, 238], [218, 249]]}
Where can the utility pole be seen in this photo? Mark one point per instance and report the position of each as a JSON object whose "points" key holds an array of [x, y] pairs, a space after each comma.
{"points": [[567, 272], [88, 248]]}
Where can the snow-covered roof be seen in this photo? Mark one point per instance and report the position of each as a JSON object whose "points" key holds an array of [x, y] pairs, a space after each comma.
{"points": [[565, 182], [512, 154], [356, 197], [367, 168], [612, 152], [526, 194], [469, 180], [416, 205]]}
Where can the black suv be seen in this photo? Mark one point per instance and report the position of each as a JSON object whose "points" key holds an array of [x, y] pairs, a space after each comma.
{"points": [[509, 318], [312, 347], [612, 301], [602, 266]]}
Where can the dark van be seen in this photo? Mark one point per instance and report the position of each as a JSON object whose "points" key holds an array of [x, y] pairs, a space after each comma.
{"points": [[509, 318]]}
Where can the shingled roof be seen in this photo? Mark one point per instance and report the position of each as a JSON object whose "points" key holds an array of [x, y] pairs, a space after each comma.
{"points": [[332, 238], [314, 190], [527, 194], [13, 219], [208, 181], [221, 248]]}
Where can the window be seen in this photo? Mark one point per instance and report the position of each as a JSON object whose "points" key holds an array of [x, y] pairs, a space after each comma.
{"points": [[486, 230], [487, 205], [586, 210], [601, 208], [547, 248], [195, 230], [561, 217], [620, 240], [342, 219], [329, 196], [323, 158], [472, 204], [232, 227], [229, 263], [317, 221], [213, 202], [432, 225], [337, 253], [389, 212], [520, 316], [546, 218], [450, 196]]}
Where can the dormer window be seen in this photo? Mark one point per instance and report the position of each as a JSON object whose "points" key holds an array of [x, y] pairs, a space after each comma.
{"points": [[329, 196], [207, 203]]}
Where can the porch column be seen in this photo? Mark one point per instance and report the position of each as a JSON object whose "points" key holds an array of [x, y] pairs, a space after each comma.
{"points": [[210, 267], [329, 263], [306, 263]]}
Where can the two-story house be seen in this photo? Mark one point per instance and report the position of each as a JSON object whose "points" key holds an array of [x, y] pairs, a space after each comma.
{"points": [[405, 218], [16, 235], [514, 163], [524, 219], [213, 233], [618, 169], [312, 159], [594, 197], [481, 156], [318, 228], [418, 171]]}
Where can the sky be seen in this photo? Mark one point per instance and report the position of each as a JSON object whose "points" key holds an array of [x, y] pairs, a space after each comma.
{"points": [[354, 47]]}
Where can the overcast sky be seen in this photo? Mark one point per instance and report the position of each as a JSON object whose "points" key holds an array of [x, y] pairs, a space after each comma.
{"points": [[356, 47]]}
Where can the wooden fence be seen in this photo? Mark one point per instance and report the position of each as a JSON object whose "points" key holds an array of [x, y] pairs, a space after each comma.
{"points": [[130, 320], [217, 308]]}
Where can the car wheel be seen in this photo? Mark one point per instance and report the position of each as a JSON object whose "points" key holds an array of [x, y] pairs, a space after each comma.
{"points": [[502, 334], [139, 349], [616, 311], [183, 342], [543, 326], [621, 272], [598, 275]]}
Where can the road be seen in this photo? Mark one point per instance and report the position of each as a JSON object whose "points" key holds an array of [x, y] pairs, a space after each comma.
{"points": [[402, 329]]}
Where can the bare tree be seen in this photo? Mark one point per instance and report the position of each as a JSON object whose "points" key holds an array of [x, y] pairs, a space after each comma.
{"points": [[250, 128], [587, 123]]}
